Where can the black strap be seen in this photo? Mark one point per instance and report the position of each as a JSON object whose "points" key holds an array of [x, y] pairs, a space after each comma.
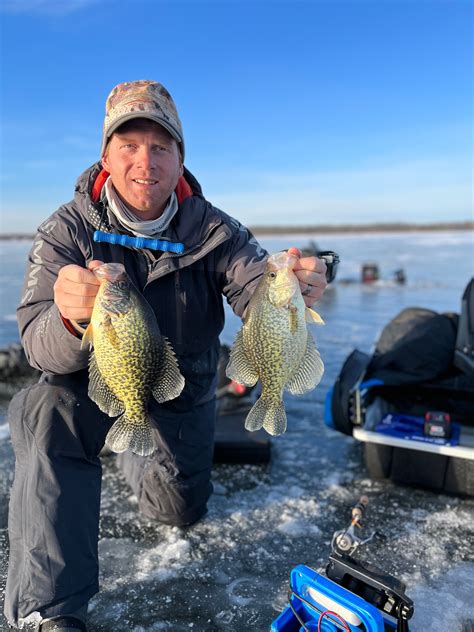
{"points": [[293, 610], [402, 624], [60, 623]]}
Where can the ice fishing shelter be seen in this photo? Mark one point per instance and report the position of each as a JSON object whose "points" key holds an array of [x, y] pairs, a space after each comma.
{"points": [[411, 402]]}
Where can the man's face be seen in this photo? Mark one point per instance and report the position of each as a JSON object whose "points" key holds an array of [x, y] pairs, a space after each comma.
{"points": [[144, 164]]}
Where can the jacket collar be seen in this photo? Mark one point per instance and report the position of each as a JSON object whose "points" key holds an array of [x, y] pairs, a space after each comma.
{"points": [[193, 225], [91, 181]]}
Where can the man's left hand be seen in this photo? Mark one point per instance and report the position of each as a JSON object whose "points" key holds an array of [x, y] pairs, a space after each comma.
{"points": [[311, 274]]}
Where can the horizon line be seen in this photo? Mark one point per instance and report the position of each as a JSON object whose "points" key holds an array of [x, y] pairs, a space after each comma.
{"points": [[323, 228]]}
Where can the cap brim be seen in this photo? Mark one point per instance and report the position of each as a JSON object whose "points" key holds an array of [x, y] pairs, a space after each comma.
{"points": [[146, 115]]}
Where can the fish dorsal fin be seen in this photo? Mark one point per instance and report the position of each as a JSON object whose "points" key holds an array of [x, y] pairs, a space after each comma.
{"points": [[240, 368], [88, 337], [313, 317], [169, 382], [310, 371], [100, 392]]}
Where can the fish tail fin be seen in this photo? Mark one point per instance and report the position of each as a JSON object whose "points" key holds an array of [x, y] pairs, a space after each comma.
{"points": [[127, 434], [267, 414]]}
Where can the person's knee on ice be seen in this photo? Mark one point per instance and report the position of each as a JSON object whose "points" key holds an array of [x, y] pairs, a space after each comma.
{"points": [[175, 500]]}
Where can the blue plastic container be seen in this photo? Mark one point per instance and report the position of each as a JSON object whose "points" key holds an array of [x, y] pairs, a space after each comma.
{"points": [[320, 594]]}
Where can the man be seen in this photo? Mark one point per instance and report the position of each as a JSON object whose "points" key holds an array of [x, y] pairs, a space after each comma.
{"points": [[140, 187]]}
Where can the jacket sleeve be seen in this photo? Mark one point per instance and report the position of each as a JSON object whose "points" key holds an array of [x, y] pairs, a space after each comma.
{"points": [[245, 265], [48, 345]]}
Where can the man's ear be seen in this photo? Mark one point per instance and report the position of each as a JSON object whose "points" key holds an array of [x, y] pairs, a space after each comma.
{"points": [[105, 162]]}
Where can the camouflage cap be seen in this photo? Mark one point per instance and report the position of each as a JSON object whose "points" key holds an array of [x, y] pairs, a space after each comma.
{"points": [[141, 99]]}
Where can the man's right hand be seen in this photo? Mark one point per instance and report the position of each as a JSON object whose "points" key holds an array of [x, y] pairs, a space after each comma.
{"points": [[75, 291]]}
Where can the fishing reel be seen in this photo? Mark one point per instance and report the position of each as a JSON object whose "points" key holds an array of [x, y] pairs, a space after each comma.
{"points": [[331, 259], [347, 540]]}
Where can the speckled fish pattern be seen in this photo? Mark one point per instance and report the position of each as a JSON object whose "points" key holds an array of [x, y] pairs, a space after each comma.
{"points": [[130, 361], [275, 346]]}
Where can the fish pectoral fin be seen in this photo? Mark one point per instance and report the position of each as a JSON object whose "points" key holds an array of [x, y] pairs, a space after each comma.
{"points": [[293, 318], [240, 368], [169, 382], [313, 317], [310, 371], [131, 434], [110, 333], [100, 392], [88, 337]]}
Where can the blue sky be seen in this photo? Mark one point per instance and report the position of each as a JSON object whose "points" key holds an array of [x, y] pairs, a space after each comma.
{"points": [[294, 112]]}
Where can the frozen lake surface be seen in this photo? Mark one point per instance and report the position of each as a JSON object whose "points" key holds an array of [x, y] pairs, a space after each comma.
{"points": [[230, 571]]}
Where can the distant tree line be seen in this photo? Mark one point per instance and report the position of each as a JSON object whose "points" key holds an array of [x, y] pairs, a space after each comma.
{"points": [[362, 228], [327, 228]]}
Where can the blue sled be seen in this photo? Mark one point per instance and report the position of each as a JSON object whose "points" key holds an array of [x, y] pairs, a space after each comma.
{"points": [[313, 594]]}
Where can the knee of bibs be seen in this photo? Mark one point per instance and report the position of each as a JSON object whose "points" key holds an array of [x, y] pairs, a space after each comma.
{"points": [[165, 493], [178, 501]]}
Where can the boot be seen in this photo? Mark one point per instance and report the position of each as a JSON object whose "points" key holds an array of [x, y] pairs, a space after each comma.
{"points": [[62, 624]]}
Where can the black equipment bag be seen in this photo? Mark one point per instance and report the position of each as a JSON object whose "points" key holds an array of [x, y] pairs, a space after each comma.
{"points": [[416, 346], [422, 361], [464, 352]]}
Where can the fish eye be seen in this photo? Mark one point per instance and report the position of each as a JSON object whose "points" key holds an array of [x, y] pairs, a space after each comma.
{"points": [[272, 275], [122, 285]]}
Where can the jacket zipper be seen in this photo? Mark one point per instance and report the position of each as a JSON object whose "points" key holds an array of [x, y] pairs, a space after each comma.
{"points": [[179, 307], [221, 237]]}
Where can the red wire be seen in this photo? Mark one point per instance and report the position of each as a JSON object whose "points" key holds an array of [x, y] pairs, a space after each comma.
{"points": [[333, 614]]}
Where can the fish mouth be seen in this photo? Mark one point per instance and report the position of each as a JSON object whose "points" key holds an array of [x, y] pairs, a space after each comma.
{"points": [[110, 272], [281, 260], [115, 284]]}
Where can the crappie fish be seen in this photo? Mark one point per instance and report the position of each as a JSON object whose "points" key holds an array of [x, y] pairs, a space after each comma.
{"points": [[130, 360], [275, 346]]}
